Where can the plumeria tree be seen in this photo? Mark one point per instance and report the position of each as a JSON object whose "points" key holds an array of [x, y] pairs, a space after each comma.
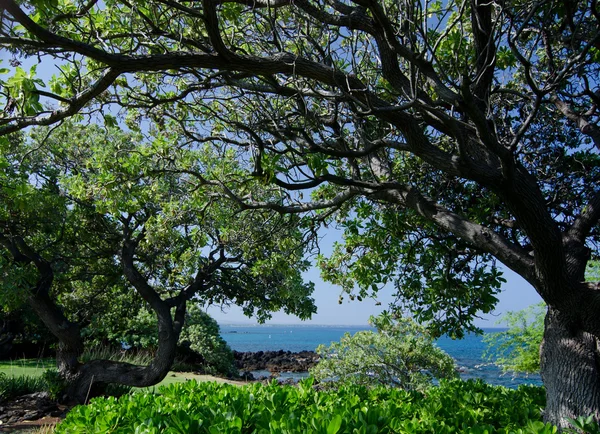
{"points": [[443, 135]]}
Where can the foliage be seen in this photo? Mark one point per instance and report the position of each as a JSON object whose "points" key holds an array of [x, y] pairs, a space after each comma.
{"points": [[439, 282], [54, 383], [454, 406], [171, 198], [586, 425], [441, 136], [518, 348], [123, 230], [400, 353], [203, 336], [434, 130], [12, 387]]}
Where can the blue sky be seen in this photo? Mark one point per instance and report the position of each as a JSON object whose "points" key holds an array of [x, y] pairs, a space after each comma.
{"points": [[516, 294]]}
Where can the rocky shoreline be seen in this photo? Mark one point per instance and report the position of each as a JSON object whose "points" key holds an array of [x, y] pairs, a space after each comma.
{"points": [[275, 361]]}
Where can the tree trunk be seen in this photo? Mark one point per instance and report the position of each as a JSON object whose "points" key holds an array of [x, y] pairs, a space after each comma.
{"points": [[84, 381], [570, 370], [84, 384]]}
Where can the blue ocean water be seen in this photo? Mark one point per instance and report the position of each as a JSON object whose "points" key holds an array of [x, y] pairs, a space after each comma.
{"points": [[467, 352]]}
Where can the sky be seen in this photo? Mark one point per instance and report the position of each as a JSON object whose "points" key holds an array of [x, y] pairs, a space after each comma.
{"points": [[516, 294]]}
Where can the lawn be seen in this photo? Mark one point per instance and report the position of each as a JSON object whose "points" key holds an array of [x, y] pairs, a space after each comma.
{"points": [[36, 367], [26, 367]]}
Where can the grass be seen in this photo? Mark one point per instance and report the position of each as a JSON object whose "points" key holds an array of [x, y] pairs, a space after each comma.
{"points": [[35, 368], [182, 377], [106, 353], [26, 367]]}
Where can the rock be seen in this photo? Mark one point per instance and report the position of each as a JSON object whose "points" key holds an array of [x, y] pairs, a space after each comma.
{"points": [[31, 415], [30, 407], [275, 361]]}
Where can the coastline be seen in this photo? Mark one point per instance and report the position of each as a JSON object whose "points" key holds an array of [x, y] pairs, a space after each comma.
{"points": [[272, 341]]}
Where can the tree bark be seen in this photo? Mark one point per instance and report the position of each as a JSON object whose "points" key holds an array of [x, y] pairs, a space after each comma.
{"points": [[570, 370], [82, 384]]}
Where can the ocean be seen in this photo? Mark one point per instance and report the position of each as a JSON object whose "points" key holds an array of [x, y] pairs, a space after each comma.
{"points": [[467, 352]]}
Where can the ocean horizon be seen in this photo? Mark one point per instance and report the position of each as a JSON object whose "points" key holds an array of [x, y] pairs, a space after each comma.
{"points": [[467, 352]]}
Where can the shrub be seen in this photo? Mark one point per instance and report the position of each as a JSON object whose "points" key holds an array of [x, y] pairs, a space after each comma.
{"points": [[453, 407], [400, 353], [518, 348], [203, 336], [13, 387], [54, 384]]}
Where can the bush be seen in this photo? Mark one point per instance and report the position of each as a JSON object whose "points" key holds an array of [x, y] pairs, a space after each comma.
{"points": [[518, 348], [13, 387], [400, 353], [203, 336], [453, 407], [54, 384]]}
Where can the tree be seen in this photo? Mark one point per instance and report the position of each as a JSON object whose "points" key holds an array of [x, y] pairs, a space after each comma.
{"points": [[400, 353], [93, 220], [200, 343], [518, 348], [444, 136]]}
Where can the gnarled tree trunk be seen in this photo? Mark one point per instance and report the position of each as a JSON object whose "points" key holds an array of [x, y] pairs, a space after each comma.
{"points": [[102, 372], [570, 368], [81, 377]]}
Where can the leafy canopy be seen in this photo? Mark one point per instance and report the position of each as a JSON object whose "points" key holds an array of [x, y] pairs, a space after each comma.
{"points": [[456, 134], [97, 185], [117, 224]]}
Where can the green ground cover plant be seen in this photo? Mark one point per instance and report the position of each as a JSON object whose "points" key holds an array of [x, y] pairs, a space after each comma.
{"points": [[452, 407]]}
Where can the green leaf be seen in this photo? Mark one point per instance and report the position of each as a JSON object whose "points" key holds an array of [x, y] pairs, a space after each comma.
{"points": [[335, 424]]}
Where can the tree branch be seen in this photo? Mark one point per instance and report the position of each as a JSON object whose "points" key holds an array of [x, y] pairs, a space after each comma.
{"points": [[75, 104], [582, 123], [477, 235], [588, 218]]}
